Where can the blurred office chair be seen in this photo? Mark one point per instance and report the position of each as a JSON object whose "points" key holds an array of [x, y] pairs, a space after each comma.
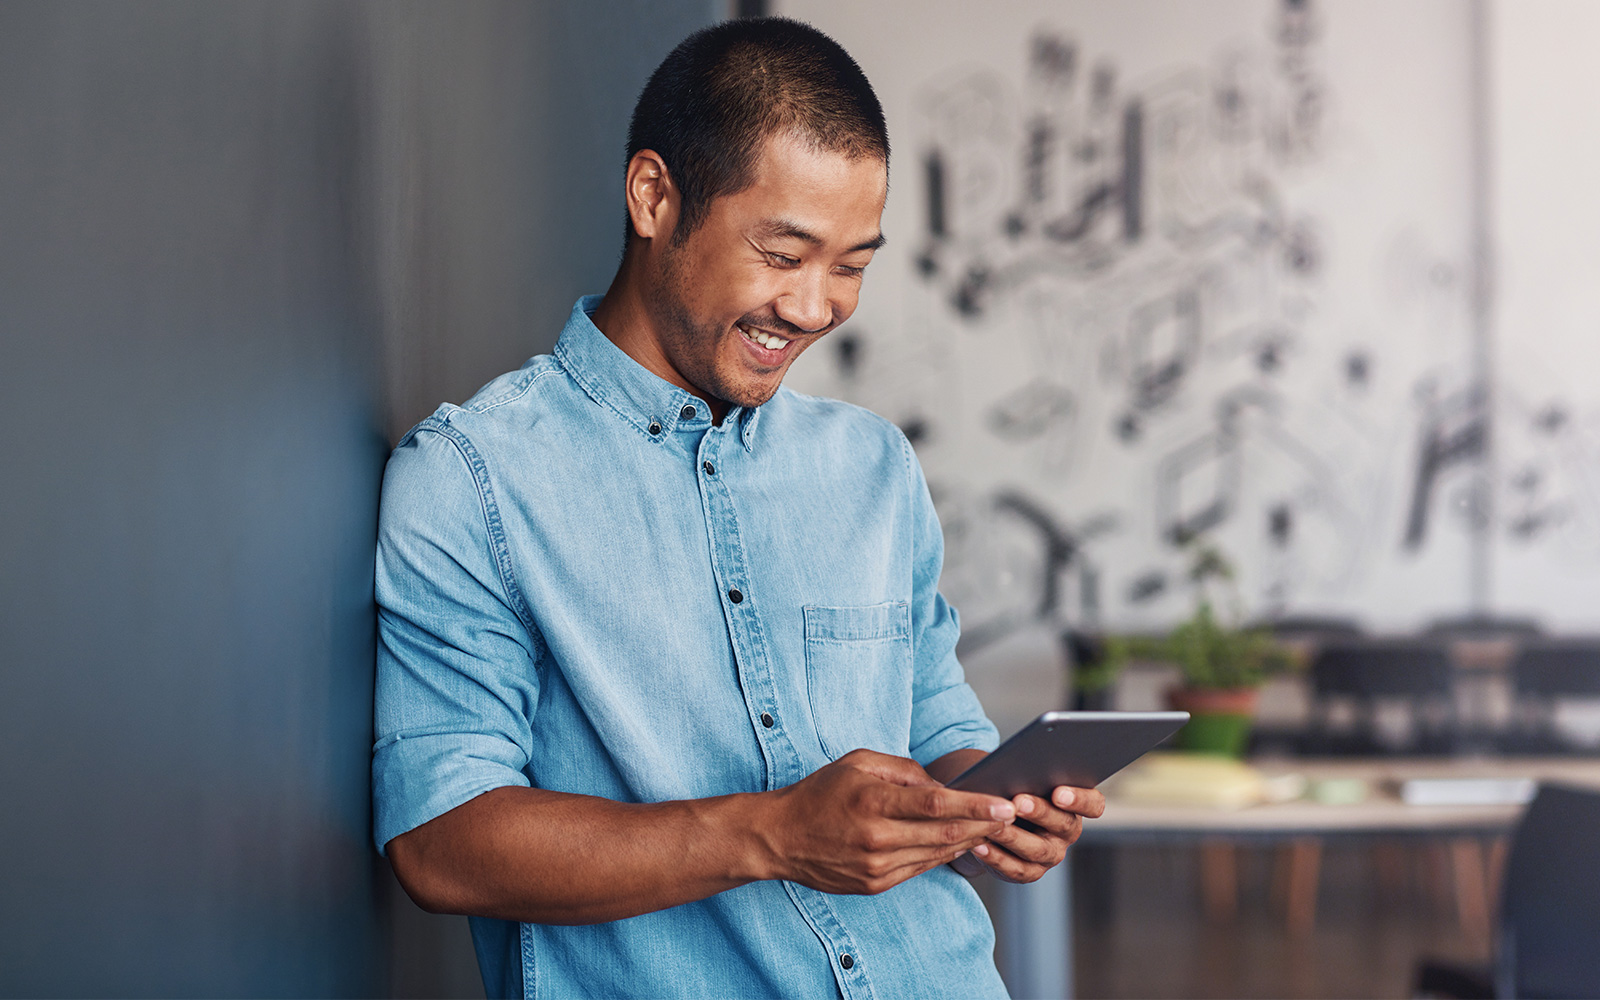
{"points": [[1083, 650], [1382, 696], [1482, 647], [1304, 636], [1479, 626], [1543, 675], [1315, 628], [1549, 909]]}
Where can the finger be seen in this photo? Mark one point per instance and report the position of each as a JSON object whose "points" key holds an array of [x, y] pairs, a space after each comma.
{"points": [[914, 862], [1008, 867], [896, 770], [969, 865], [946, 853], [1087, 802], [1045, 816], [892, 818], [893, 868], [1040, 848], [940, 803], [888, 837]]}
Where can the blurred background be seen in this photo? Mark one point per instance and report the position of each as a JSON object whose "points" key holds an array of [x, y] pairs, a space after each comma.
{"points": [[1247, 344]]}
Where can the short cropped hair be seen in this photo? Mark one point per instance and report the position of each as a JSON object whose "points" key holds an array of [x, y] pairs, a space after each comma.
{"points": [[712, 103]]}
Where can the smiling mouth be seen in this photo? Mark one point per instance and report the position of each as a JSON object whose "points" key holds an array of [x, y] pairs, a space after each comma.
{"points": [[771, 343]]}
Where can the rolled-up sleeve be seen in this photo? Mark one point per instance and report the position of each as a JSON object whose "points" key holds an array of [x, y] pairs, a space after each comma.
{"points": [[945, 713], [457, 678]]}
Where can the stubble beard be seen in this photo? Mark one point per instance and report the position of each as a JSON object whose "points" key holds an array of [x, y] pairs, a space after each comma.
{"points": [[691, 347]]}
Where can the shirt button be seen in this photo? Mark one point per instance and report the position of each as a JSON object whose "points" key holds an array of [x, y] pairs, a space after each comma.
{"points": [[655, 428], [711, 470], [766, 719], [735, 596], [846, 961], [687, 413]]}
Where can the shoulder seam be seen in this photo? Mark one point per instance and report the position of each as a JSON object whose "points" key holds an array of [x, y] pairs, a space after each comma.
{"points": [[513, 397], [491, 518]]}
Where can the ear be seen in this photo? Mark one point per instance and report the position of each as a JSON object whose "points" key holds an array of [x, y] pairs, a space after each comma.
{"points": [[651, 196]]}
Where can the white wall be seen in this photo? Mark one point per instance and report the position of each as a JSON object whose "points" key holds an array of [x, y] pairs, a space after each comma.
{"points": [[1546, 123], [1269, 354]]}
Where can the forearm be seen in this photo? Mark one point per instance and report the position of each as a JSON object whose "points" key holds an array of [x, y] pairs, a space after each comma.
{"points": [[953, 763], [538, 856]]}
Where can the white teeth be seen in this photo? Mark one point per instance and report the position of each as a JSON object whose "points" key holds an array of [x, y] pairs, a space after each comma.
{"points": [[765, 339]]}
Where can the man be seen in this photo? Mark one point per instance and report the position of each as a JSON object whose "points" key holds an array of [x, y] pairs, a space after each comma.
{"points": [[666, 690]]}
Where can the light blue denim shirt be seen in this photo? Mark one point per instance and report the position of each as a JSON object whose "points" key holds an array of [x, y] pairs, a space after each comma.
{"points": [[583, 585]]}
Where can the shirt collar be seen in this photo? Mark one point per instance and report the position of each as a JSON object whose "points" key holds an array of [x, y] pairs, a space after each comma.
{"points": [[639, 396]]}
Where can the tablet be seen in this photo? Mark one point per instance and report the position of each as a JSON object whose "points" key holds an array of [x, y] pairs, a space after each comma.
{"points": [[1080, 749]]}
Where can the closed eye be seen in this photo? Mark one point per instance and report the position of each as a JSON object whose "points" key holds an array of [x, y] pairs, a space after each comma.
{"points": [[783, 260]]}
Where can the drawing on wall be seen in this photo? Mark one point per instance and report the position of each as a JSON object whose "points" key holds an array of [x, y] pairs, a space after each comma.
{"points": [[1134, 316], [1549, 497]]}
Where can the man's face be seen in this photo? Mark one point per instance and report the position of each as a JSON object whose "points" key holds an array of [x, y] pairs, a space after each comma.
{"points": [[769, 271]]}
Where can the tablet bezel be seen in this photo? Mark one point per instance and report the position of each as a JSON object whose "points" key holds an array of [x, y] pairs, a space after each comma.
{"points": [[1078, 749]]}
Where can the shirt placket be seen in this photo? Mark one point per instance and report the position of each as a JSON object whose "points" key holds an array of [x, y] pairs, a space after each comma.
{"points": [[741, 605], [752, 660]]}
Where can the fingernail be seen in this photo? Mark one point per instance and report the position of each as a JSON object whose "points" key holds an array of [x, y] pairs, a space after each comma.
{"points": [[1002, 810], [1063, 797], [1024, 806], [982, 850]]}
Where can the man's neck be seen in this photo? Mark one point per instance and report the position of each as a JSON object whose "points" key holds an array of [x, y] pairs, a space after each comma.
{"points": [[626, 319]]}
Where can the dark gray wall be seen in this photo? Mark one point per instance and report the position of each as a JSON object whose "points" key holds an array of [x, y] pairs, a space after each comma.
{"points": [[498, 145], [241, 246]]}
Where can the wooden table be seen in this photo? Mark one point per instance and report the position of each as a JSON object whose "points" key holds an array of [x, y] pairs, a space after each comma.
{"points": [[1381, 814], [1301, 827]]}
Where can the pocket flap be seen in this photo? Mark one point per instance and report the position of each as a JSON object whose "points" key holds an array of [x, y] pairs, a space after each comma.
{"points": [[890, 620]]}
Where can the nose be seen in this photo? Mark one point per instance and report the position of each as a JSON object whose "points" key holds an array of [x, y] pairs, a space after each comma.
{"points": [[805, 303]]}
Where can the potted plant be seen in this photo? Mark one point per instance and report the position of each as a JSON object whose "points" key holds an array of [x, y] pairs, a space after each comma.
{"points": [[1223, 664]]}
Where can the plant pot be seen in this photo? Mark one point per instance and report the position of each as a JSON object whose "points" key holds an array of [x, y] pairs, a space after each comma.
{"points": [[1219, 720]]}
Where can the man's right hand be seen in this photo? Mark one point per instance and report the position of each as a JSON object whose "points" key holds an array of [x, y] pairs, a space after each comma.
{"points": [[863, 824], [869, 821]]}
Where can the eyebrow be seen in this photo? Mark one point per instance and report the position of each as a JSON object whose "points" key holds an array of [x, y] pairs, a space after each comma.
{"points": [[777, 229]]}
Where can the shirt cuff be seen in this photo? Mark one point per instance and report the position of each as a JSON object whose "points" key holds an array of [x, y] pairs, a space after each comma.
{"points": [[417, 778], [948, 721]]}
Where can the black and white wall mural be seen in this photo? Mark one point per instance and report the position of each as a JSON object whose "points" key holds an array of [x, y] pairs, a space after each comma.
{"points": [[1163, 271], [1546, 350]]}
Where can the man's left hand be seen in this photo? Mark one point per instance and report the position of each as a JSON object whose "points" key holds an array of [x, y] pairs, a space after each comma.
{"points": [[1020, 854]]}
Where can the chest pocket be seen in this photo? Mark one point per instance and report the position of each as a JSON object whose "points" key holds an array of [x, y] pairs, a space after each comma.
{"points": [[858, 676]]}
